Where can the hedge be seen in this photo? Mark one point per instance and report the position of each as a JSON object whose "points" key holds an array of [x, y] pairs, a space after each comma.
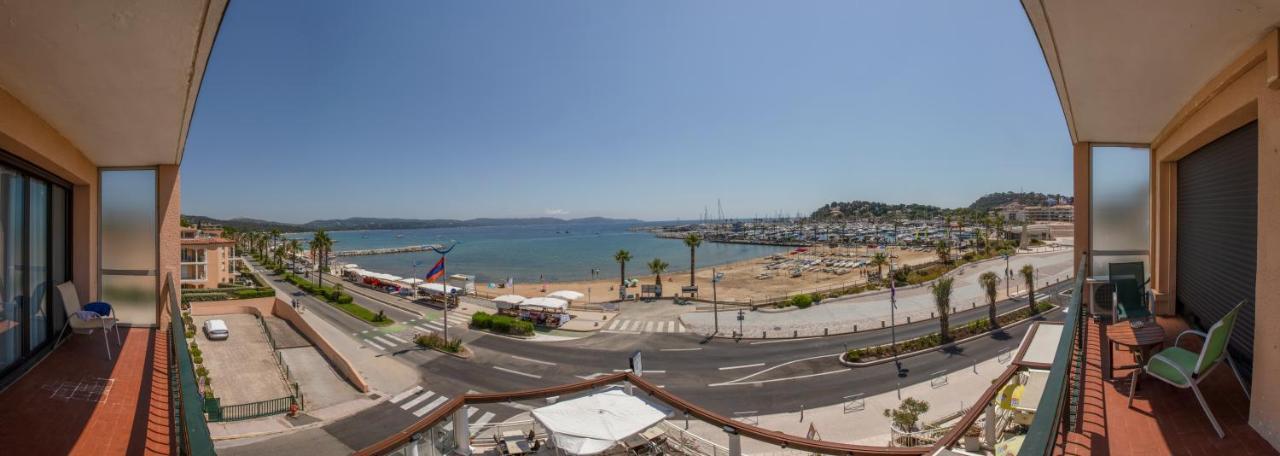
{"points": [[975, 327], [433, 340], [501, 324]]}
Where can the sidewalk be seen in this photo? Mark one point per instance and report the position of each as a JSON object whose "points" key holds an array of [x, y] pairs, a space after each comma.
{"points": [[864, 422], [843, 315]]}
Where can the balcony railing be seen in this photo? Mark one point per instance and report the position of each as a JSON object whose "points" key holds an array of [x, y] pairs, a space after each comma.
{"points": [[1059, 408], [190, 431]]}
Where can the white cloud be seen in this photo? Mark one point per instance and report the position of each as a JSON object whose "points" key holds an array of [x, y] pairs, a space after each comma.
{"points": [[556, 212]]}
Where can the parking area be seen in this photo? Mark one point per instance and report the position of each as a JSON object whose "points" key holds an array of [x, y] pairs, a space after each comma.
{"points": [[243, 367]]}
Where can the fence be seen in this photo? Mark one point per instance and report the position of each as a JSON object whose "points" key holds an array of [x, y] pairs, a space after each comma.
{"points": [[248, 411]]}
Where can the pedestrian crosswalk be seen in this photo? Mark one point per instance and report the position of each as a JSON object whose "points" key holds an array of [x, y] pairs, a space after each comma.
{"points": [[383, 340], [420, 401], [645, 326]]}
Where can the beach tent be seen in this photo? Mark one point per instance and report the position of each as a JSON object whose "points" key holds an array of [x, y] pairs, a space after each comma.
{"points": [[595, 423], [509, 299], [546, 303], [567, 295]]}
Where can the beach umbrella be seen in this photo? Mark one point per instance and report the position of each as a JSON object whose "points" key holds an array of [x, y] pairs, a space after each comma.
{"points": [[509, 299], [567, 295]]}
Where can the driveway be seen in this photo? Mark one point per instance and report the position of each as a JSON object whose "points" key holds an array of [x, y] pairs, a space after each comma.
{"points": [[243, 367]]}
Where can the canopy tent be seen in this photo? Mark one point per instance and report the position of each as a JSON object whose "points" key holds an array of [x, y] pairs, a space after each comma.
{"points": [[411, 281], [546, 303], [592, 424], [350, 266], [567, 295], [438, 288]]}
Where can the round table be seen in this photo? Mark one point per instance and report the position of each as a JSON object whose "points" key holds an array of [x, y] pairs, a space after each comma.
{"points": [[1139, 340]]}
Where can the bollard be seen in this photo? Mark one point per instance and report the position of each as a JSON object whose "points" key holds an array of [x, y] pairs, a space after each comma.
{"points": [[795, 333], [855, 329], [825, 330], [881, 323], [973, 305], [764, 334], [909, 319], [930, 316]]}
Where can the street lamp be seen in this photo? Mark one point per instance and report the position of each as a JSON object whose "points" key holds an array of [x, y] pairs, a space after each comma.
{"points": [[715, 303], [893, 310]]}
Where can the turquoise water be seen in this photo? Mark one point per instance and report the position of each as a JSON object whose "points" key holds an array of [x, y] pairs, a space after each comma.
{"points": [[557, 252]]}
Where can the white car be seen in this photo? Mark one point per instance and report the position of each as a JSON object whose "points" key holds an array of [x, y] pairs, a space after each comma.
{"points": [[216, 330]]}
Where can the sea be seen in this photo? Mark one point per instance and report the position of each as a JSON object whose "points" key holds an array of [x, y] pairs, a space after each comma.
{"points": [[532, 253]]}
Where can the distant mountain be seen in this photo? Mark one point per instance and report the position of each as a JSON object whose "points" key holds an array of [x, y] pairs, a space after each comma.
{"points": [[992, 200], [861, 210], [374, 223]]}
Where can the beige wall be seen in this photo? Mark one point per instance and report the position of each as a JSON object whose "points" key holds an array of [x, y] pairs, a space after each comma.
{"points": [[27, 136], [168, 221], [1237, 96]]}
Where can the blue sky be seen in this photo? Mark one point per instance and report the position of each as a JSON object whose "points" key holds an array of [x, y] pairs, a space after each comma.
{"points": [[650, 109]]}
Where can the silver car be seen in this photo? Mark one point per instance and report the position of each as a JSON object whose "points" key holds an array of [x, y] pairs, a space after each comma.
{"points": [[216, 330]]}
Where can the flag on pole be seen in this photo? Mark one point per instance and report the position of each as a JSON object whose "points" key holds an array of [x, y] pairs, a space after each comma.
{"points": [[436, 271]]}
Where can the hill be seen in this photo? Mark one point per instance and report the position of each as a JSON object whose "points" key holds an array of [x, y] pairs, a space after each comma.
{"points": [[991, 200], [861, 210], [374, 223]]}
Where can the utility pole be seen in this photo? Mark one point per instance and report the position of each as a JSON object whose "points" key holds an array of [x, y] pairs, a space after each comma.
{"points": [[715, 303]]}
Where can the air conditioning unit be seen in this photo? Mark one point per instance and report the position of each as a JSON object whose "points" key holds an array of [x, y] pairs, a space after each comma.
{"points": [[1099, 292]]}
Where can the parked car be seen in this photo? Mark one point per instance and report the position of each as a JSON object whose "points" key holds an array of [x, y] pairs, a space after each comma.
{"points": [[216, 330]]}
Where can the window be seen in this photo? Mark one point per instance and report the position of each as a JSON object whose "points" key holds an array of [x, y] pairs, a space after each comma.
{"points": [[128, 242]]}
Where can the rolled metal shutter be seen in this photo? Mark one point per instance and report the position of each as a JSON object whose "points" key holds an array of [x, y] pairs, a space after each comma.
{"points": [[1218, 234]]}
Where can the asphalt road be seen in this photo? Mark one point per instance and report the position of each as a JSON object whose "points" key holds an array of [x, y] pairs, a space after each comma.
{"points": [[726, 376]]}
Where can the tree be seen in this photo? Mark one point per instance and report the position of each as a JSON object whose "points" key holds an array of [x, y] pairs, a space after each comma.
{"points": [[293, 247], [320, 245], [1029, 274], [879, 260], [989, 281], [943, 249], [942, 300], [907, 416], [693, 241], [657, 267], [622, 257]]}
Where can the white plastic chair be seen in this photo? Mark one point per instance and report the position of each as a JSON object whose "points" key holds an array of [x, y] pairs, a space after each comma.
{"points": [[71, 302]]}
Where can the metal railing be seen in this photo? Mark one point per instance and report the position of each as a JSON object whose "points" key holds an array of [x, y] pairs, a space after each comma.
{"points": [[1059, 408], [251, 410], [190, 430]]}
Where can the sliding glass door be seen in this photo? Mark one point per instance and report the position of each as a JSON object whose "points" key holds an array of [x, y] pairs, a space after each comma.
{"points": [[33, 258]]}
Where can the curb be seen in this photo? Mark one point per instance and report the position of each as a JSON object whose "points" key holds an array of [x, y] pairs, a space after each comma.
{"points": [[953, 343]]}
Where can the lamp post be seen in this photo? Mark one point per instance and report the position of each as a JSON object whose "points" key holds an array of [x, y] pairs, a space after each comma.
{"points": [[893, 315], [715, 303]]}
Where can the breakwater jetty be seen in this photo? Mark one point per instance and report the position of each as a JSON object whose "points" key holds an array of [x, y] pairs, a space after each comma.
{"points": [[386, 250]]}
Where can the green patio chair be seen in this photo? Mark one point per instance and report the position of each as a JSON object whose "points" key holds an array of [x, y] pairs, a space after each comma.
{"points": [[1186, 369], [1129, 299]]}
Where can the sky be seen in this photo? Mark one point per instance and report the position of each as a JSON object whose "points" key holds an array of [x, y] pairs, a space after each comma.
{"points": [[652, 110]]}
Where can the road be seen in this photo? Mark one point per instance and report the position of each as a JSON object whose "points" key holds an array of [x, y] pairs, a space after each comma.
{"points": [[762, 376]]}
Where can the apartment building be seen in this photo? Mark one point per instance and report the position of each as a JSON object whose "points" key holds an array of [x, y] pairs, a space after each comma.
{"points": [[207, 258]]}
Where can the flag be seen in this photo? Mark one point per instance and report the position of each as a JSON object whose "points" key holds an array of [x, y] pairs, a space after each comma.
{"points": [[436, 271]]}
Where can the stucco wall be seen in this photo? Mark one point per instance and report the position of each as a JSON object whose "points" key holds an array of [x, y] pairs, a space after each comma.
{"points": [[169, 220], [27, 136], [1245, 99]]}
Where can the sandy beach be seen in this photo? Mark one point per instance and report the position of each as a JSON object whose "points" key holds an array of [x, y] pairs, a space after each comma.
{"points": [[742, 280]]}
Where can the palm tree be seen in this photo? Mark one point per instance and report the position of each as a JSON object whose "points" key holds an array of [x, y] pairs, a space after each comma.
{"points": [[657, 267], [942, 299], [320, 245], [1029, 274], [275, 235], [293, 247], [989, 280], [879, 260], [944, 251], [622, 257], [693, 241]]}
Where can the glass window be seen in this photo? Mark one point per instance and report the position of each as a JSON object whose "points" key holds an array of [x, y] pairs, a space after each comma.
{"points": [[128, 244], [38, 253], [1120, 221], [11, 318]]}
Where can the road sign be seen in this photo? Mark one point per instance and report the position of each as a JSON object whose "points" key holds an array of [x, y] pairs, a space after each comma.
{"points": [[741, 315]]}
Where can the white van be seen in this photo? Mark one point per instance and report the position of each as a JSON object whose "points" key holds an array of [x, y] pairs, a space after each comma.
{"points": [[216, 330]]}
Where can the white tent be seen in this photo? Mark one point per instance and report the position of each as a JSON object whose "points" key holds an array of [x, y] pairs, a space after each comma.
{"points": [[412, 281], [592, 424], [567, 295], [509, 299], [546, 303]]}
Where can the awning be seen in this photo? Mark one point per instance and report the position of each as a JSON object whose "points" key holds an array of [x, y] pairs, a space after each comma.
{"points": [[509, 299], [545, 303], [592, 424], [567, 295], [438, 288]]}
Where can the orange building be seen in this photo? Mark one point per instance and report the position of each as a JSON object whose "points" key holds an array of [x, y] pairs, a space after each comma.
{"points": [[207, 258]]}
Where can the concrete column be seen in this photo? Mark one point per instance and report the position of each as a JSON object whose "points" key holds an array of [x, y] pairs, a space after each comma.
{"points": [[735, 441], [462, 431], [989, 428], [1082, 162]]}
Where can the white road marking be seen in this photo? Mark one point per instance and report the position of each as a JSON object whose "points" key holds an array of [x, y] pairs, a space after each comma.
{"points": [[798, 377], [739, 380], [370, 342], [429, 407], [484, 419], [680, 349], [646, 371], [398, 339], [384, 341], [516, 372], [418, 400], [670, 326], [680, 326], [592, 376], [422, 329], [744, 366], [618, 332], [405, 394], [614, 324], [364, 332], [778, 341], [533, 360]]}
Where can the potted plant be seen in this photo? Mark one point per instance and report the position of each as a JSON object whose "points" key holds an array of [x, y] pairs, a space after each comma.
{"points": [[972, 441]]}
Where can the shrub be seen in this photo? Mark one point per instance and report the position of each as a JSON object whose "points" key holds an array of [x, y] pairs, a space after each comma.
{"points": [[802, 301], [481, 320], [251, 293], [197, 359], [501, 324], [195, 351], [201, 371], [907, 415], [433, 340], [208, 394], [345, 299]]}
